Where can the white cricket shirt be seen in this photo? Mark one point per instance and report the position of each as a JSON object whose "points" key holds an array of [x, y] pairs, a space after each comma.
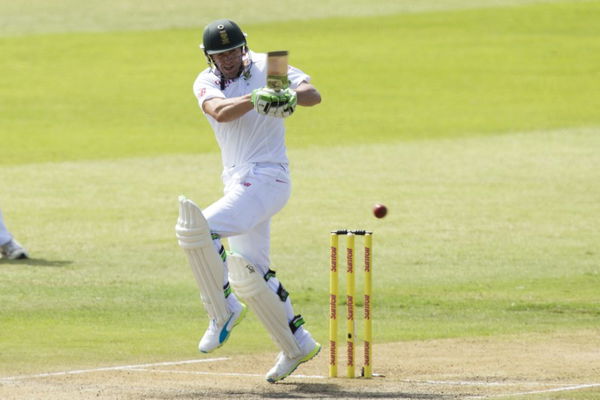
{"points": [[252, 138]]}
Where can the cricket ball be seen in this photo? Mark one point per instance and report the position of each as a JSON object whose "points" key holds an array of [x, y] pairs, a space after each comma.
{"points": [[379, 210]]}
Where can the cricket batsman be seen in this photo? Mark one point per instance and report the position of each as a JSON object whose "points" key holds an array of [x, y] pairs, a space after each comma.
{"points": [[247, 116]]}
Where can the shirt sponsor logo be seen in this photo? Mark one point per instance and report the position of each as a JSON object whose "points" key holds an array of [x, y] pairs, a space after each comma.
{"points": [[226, 82]]}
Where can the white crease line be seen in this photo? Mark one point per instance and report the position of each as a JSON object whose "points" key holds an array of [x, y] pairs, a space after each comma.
{"points": [[117, 368], [561, 389], [483, 383], [170, 371]]}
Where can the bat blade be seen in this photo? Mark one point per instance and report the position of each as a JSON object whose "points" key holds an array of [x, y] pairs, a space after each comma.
{"points": [[277, 67]]}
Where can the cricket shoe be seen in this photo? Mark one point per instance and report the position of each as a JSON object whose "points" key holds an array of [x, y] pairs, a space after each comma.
{"points": [[286, 365], [13, 250], [216, 336]]}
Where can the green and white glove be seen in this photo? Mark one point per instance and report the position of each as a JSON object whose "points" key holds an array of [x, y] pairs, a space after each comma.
{"points": [[279, 104], [264, 99], [287, 109]]}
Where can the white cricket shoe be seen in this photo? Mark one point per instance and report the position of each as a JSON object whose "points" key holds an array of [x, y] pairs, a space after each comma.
{"points": [[13, 250], [286, 366], [216, 336]]}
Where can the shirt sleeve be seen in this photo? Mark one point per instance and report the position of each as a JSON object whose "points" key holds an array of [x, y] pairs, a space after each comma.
{"points": [[206, 89], [296, 77]]}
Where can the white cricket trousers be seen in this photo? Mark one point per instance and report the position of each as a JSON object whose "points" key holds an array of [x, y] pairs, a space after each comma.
{"points": [[4, 234], [253, 194]]}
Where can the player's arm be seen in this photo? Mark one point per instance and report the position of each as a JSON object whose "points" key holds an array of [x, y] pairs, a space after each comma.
{"points": [[308, 95], [226, 110]]}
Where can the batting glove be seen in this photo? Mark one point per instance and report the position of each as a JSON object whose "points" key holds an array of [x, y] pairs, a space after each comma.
{"points": [[284, 111], [279, 104], [264, 99]]}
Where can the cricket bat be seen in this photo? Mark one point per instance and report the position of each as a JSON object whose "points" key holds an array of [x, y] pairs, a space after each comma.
{"points": [[277, 67]]}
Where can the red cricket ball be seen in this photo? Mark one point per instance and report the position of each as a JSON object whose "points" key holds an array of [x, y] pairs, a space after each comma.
{"points": [[379, 210]]}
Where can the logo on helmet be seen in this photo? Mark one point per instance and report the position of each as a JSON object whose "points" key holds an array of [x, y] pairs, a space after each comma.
{"points": [[224, 37]]}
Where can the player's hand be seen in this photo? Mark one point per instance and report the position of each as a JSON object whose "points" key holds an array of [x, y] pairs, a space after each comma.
{"points": [[279, 104], [264, 99], [287, 106]]}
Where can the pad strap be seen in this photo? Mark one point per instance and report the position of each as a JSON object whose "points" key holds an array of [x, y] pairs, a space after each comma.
{"points": [[296, 323], [281, 292]]}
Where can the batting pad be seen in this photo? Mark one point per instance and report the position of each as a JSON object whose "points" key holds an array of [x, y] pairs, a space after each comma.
{"points": [[195, 239], [249, 284]]}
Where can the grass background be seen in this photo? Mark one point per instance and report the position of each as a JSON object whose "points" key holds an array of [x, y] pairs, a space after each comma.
{"points": [[478, 127], [121, 94]]}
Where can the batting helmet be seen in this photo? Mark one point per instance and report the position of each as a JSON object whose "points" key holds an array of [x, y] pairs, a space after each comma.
{"points": [[222, 35]]}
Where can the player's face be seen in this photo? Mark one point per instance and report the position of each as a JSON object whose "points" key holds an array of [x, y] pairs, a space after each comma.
{"points": [[229, 62]]}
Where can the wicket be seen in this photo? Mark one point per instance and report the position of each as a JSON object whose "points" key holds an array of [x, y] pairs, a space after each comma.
{"points": [[350, 294]]}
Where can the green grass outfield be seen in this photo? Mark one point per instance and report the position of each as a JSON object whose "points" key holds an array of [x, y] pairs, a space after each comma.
{"points": [[507, 245], [479, 128], [386, 78]]}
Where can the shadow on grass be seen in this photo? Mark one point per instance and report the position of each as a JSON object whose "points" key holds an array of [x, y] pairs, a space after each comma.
{"points": [[36, 262]]}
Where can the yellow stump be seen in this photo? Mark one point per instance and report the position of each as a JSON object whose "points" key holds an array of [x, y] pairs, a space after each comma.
{"points": [[350, 304], [368, 351], [333, 293]]}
